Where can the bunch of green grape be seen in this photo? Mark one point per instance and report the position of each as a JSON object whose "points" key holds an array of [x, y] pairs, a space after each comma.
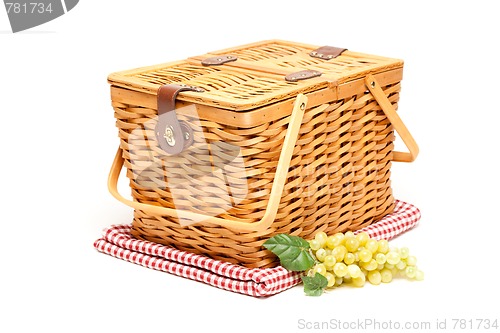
{"points": [[355, 258]]}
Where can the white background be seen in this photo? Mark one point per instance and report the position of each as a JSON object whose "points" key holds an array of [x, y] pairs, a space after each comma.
{"points": [[58, 139]]}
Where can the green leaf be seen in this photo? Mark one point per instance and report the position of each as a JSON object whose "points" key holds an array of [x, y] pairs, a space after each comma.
{"points": [[292, 251], [314, 286]]}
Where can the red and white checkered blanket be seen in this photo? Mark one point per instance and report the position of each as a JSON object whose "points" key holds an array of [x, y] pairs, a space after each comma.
{"points": [[258, 282]]}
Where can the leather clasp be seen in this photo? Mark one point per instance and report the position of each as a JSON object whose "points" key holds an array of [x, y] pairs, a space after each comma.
{"points": [[219, 60], [327, 52], [172, 135], [302, 75]]}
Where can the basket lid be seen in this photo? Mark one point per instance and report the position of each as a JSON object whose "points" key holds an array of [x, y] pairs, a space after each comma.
{"points": [[254, 75]]}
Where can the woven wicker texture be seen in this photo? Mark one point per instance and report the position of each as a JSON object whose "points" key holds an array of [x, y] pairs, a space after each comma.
{"points": [[289, 56], [338, 180]]}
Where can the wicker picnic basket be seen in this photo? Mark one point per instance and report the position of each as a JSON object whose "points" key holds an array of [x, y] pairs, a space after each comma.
{"points": [[227, 149]]}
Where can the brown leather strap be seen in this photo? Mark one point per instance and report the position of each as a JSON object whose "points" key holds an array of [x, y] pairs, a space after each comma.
{"points": [[172, 136], [219, 60], [327, 52], [302, 75]]}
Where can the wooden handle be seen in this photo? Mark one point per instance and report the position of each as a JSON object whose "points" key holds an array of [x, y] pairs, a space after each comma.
{"points": [[395, 120], [276, 190]]}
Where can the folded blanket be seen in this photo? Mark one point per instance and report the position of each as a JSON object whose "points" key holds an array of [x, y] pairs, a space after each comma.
{"points": [[257, 282]]}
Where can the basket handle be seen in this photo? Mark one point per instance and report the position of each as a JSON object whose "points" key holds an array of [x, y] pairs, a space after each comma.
{"points": [[276, 190], [395, 120]]}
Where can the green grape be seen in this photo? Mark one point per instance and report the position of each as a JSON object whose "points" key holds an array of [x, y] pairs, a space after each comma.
{"points": [[362, 238], [331, 242], [349, 234], [340, 269], [329, 261], [411, 272], [386, 275], [401, 265], [335, 240], [331, 279], [339, 238], [374, 277], [339, 252], [404, 252], [383, 246], [372, 245], [314, 245], [419, 275], [380, 258], [320, 269], [349, 258], [321, 237], [351, 244], [359, 281], [411, 261], [355, 259], [339, 281], [354, 271], [393, 257], [370, 265], [321, 254], [365, 255]]}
